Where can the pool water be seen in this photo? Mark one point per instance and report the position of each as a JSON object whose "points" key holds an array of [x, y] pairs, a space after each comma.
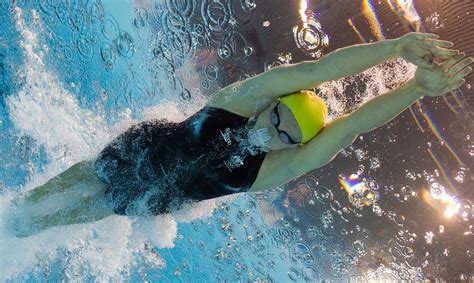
{"points": [[396, 205]]}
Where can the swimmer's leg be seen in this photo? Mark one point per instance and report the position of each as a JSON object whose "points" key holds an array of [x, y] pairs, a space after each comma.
{"points": [[80, 171], [89, 209], [74, 196]]}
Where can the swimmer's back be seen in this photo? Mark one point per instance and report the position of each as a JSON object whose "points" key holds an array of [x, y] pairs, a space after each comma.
{"points": [[157, 165]]}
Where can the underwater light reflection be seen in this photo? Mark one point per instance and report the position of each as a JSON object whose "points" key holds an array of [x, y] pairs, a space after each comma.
{"points": [[439, 199]]}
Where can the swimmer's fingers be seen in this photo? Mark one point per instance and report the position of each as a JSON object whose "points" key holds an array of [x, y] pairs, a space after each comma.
{"points": [[439, 48], [461, 74], [437, 43], [461, 69], [448, 64], [421, 35], [443, 53], [454, 85], [456, 72]]}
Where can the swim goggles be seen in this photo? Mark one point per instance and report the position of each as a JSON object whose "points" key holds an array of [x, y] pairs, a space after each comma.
{"points": [[275, 119]]}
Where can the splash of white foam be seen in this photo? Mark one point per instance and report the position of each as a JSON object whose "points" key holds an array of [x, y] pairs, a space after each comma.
{"points": [[202, 209], [45, 110], [151, 229]]}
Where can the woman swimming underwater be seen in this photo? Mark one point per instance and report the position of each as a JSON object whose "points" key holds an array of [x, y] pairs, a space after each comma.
{"points": [[252, 135]]}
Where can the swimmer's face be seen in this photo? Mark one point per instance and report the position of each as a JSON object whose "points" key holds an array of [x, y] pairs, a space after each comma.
{"points": [[282, 126]]}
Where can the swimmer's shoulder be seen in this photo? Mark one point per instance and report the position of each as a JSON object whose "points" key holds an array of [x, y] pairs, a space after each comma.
{"points": [[232, 108], [235, 108]]}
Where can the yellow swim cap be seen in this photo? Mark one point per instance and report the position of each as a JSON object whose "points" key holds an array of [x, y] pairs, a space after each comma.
{"points": [[309, 110]]}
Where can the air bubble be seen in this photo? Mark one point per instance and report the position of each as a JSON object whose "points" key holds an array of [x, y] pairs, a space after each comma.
{"points": [[326, 218], [360, 154], [204, 84], [312, 232], [140, 19], [84, 46], [216, 15], [406, 192], [125, 45], [248, 50], [324, 195], [363, 196], [186, 95], [410, 175], [326, 246], [372, 184], [107, 54], [224, 52], [464, 210], [359, 247], [274, 60], [446, 252], [67, 51], [109, 28], [198, 29], [434, 21], [441, 228], [311, 182], [460, 175], [248, 5], [177, 272], [340, 267], [396, 218], [211, 72], [293, 274], [429, 237], [437, 191], [310, 38], [310, 274], [374, 163]]}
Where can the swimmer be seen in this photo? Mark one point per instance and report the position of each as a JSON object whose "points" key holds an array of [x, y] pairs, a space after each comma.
{"points": [[252, 135]]}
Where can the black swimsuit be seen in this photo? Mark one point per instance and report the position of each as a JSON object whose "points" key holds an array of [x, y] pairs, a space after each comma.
{"points": [[156, 166]]}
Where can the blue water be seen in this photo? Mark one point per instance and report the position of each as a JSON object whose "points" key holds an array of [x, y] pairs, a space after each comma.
{"points": [[74, 74]]}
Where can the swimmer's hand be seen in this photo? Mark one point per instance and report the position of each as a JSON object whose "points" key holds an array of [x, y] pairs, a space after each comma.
{"points": [[421, 48], [443, 77]]}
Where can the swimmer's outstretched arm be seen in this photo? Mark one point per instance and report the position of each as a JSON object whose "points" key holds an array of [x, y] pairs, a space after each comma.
{"points": [[250, 96]]}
